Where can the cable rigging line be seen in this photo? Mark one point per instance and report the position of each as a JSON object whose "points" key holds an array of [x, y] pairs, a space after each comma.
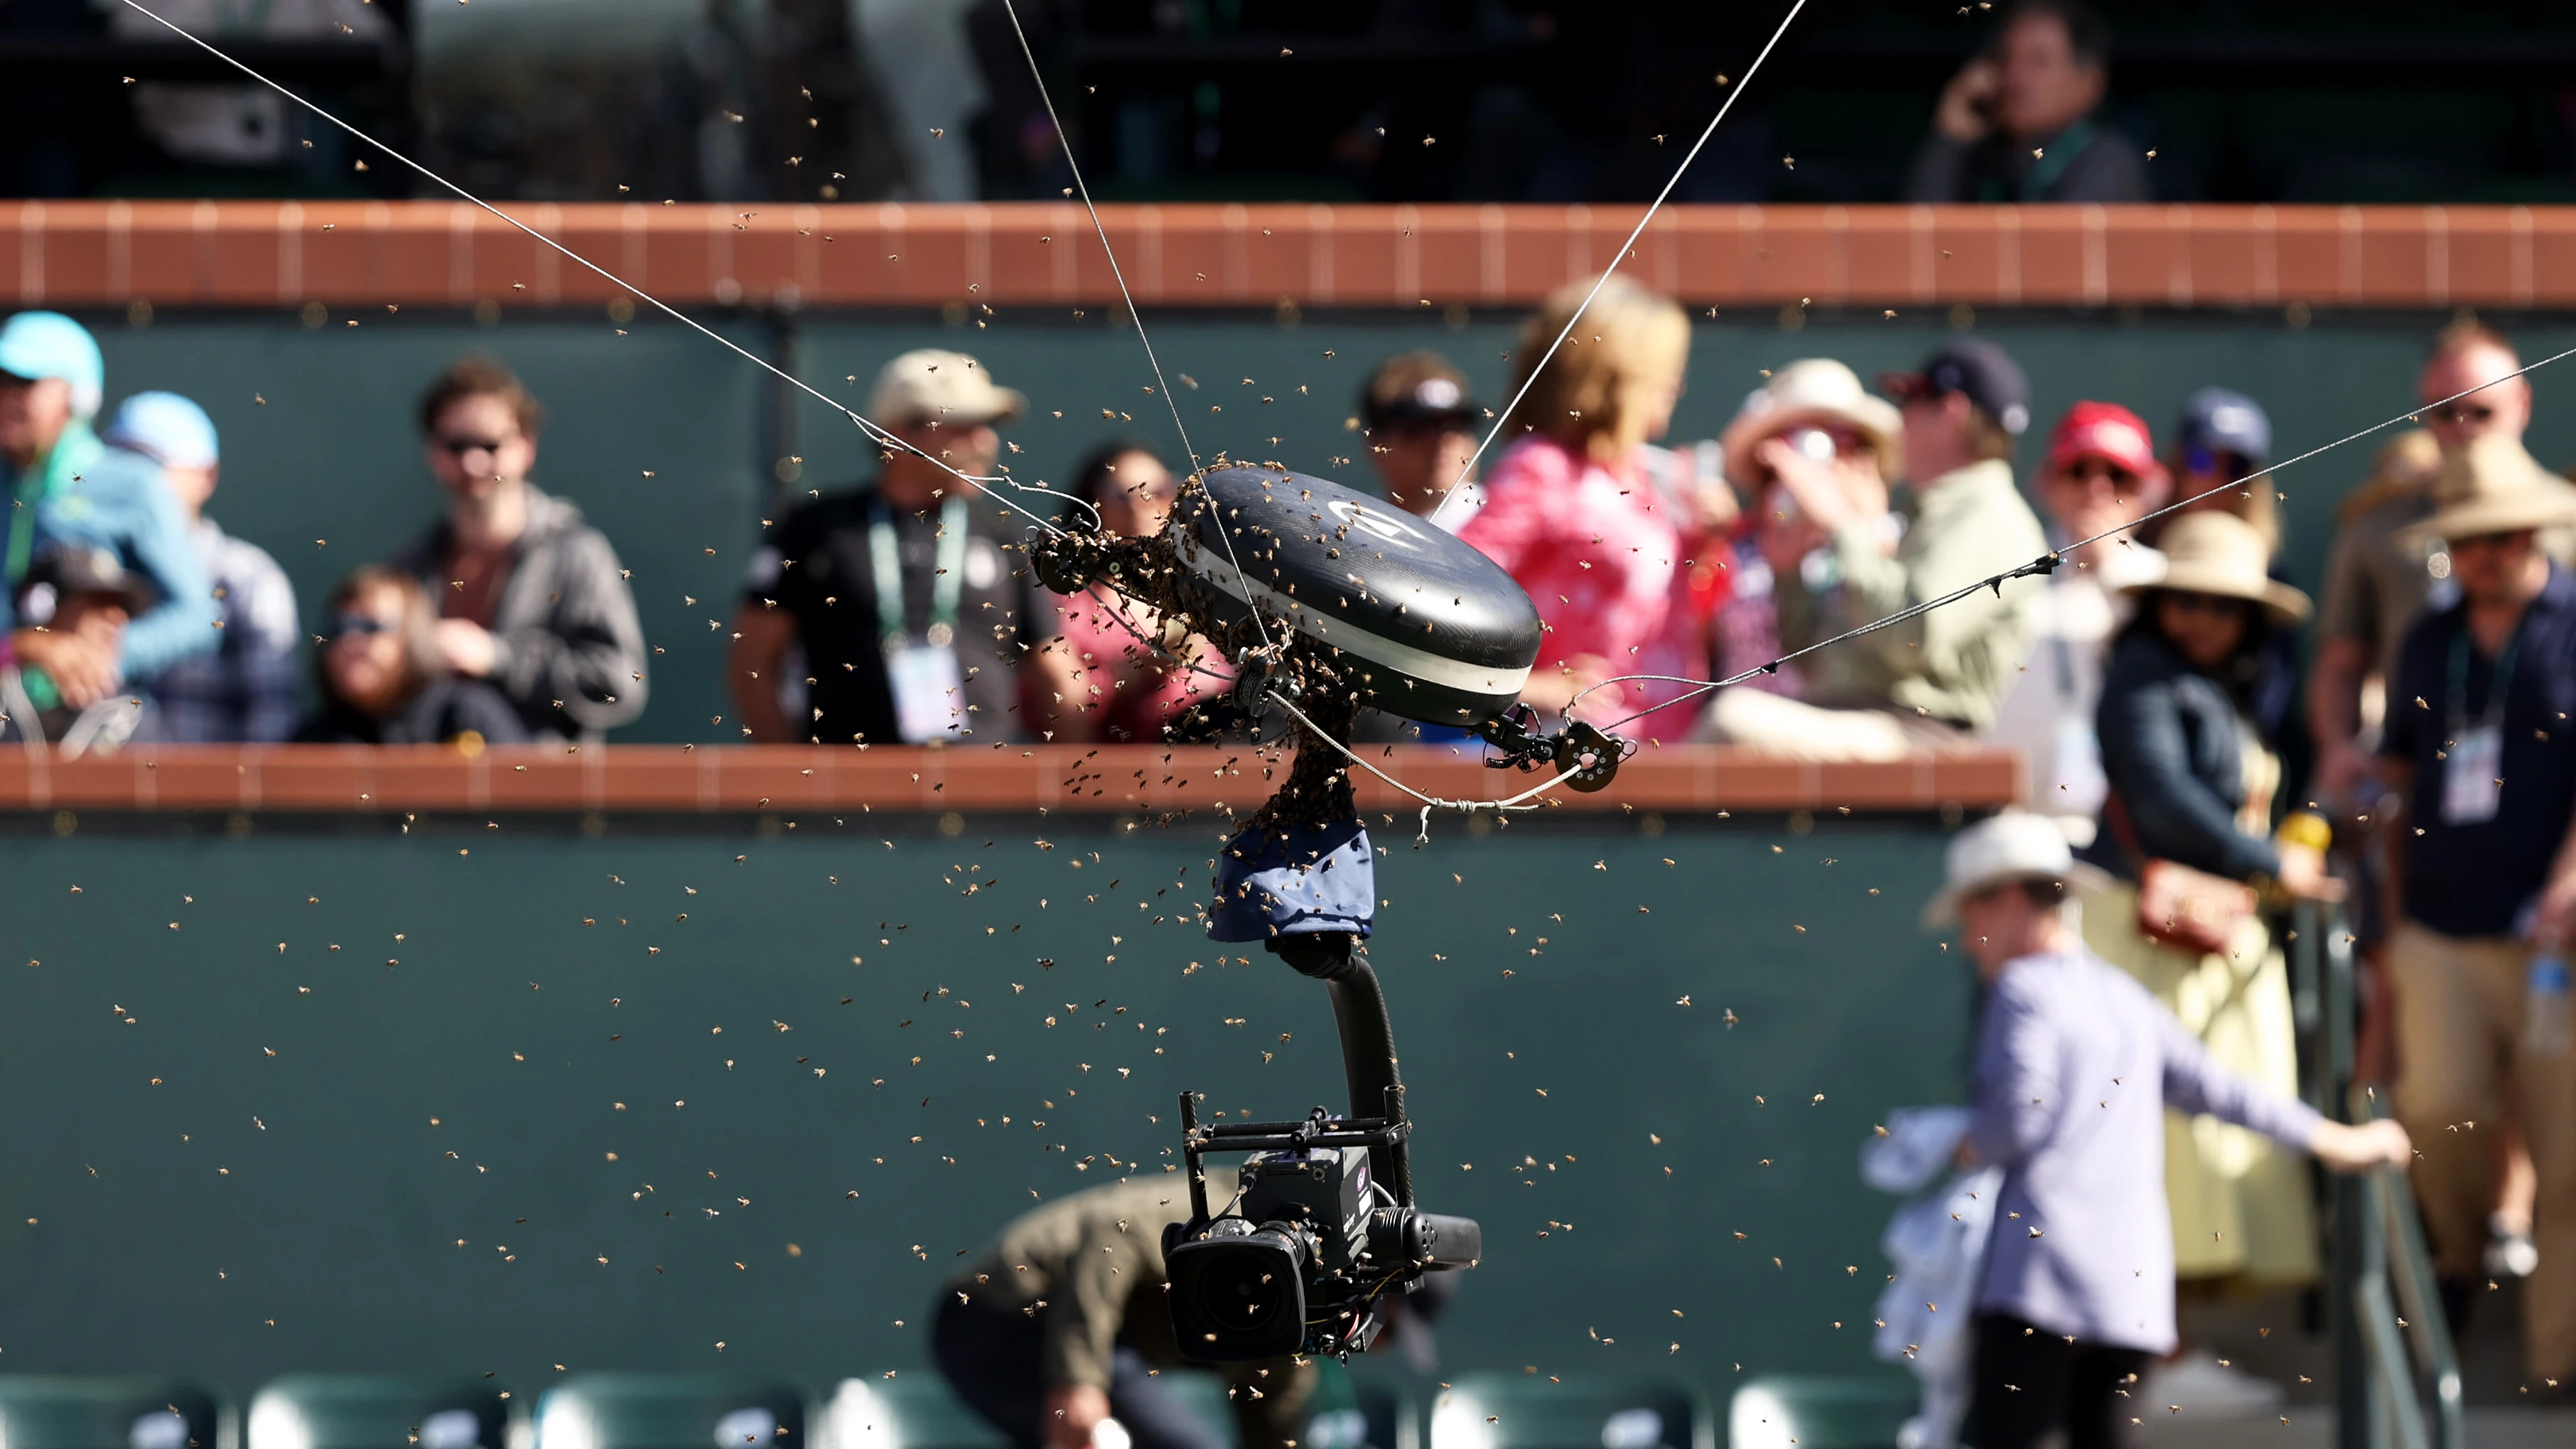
{"points": [[1503, 417]]}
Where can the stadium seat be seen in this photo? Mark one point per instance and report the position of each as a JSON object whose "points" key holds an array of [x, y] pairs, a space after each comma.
{"points": [[330, 1411], [1526, 1411], [44, 1412], [921, 1413], [1816, 1412], [1355, 1412], [918, 1412], [669, 1411]]}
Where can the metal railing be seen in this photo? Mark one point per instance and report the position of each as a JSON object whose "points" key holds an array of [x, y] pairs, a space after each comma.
{"points": [[2397, 1373]]}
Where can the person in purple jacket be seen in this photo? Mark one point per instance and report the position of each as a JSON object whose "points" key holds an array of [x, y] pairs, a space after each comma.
{"points": [[2075, 1066]]}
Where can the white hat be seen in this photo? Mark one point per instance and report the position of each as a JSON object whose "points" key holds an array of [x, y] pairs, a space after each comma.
{"points": [[1811, 390], [2015, 845], [933, 385], [2208, 552], [2493, 486]]}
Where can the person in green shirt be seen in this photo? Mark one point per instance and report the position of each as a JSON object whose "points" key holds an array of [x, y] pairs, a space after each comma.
{"points": [[1934, 680], [1062, 1322]]}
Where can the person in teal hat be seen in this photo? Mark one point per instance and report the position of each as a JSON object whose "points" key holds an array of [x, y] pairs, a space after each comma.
{"points": [[67, 487]]}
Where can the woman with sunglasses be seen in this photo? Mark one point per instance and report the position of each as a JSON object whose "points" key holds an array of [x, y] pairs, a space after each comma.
{"points": [[2187, 826], [1127, 689], [384, 680]]}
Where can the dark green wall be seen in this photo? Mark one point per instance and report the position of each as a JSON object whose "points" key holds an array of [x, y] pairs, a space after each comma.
{"points": [[256, 1213], [331, 455]]}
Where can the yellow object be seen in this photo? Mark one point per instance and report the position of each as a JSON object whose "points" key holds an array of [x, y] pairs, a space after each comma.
{"points": [[2305, 827]]}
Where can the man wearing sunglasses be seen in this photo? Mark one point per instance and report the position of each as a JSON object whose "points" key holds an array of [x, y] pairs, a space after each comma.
{"points": [[2380, 576], [530, 598]]}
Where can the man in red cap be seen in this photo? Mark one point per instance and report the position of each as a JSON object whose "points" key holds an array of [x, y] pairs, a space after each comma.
{"points": [[2101, 473]]}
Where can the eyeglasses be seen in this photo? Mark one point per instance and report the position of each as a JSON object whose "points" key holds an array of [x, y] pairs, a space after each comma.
{"points": [[2099, 470], [455, 447], [2209, 463], [2462, 412], [2519, 538], [1826, 441], [365, 625], [2214, 604]]}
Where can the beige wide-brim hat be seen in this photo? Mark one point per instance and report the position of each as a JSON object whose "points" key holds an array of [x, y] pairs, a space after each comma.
{"points": [[2015, 845], [934, 385], [2219, 553], [2494, 486], [1812, 390]]}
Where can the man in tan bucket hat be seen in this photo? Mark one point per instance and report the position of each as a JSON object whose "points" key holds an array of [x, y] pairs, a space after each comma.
{"points": [[910, 596], [2480, 744]]}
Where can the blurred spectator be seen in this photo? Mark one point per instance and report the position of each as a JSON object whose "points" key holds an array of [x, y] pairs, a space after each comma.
{"points": [[385, 679], [2077, 1083], [1127, 690], [2017, 124], [1816, 408], [916, 623], [1421, 432], [2223, 439], [530, 598], [2379, 576], [2101, 475], [1569, 513], [2481, 695], [245, 691], [228, 126], [69, 488], [2186, 829], [1932, 680], [82, 592]]}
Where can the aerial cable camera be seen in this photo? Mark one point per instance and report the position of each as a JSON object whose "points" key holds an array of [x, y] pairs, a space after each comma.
{"points": [[1332, 600]]}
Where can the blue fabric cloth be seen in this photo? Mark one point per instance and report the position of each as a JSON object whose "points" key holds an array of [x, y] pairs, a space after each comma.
{"points": [[2477, 879], [2173, 747], [86, 492], [247, 690], [1302, 880], [2075, 1067]]}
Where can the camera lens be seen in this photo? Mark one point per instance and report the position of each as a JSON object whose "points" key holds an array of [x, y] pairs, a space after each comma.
{"points": [[1247, 1291], [1239, 1296]]}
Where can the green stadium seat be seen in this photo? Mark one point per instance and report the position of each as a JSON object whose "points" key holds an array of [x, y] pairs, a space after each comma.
{"points": [[1820, 1412], [1526, 1411], [917, 1412], [1355, 1412], [332, 1411], [47, 1412], [669, 1411], [922, 1413]]}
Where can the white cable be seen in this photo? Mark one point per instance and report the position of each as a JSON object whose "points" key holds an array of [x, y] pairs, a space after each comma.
{"points": [[1422, 835], [1102, 231], [1616, 258], [876, 433]]}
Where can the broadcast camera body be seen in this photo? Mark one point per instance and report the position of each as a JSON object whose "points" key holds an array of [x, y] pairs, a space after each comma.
{"points": [[1329, 600]]}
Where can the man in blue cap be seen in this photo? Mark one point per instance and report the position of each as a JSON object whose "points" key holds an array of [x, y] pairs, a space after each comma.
{"points": [[246, 689], [68, 487]]}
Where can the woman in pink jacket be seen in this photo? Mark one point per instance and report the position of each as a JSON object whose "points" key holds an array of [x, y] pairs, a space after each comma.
{"points": [[1574, 512]]}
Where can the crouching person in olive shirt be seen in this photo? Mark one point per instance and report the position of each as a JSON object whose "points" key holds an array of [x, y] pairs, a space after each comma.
{"points": [[1064, 1320]]}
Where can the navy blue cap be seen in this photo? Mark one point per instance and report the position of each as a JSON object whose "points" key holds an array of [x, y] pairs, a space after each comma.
{"points": [[1302, 880], [1976, 368], [2216, 420]]}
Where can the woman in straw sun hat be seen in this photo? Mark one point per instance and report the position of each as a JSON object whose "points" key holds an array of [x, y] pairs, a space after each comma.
{"points": [[2191, 788], [2075, 1070]]}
